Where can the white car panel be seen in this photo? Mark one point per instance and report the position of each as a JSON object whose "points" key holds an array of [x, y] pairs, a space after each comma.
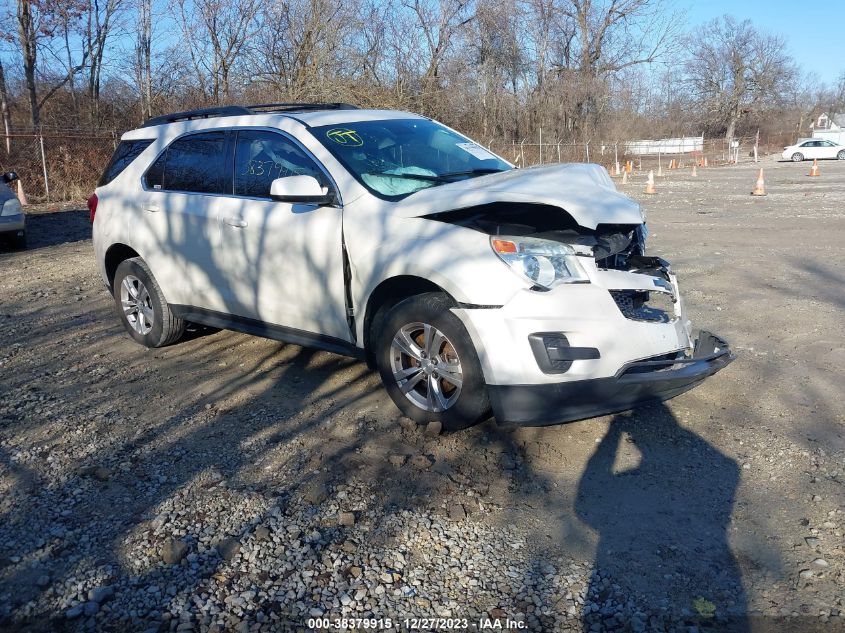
{"points": [[585, 191], [282, 264]]}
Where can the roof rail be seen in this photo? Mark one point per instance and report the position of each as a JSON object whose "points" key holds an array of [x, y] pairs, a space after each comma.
{"points": [[202, 113], [205, 113], [292, 107]]}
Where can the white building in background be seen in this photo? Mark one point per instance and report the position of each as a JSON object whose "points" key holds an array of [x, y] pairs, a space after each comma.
{"points": [[830, 127], [680, 145]]}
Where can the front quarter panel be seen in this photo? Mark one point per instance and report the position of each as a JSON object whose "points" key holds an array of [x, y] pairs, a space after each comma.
{"points": [[457, 259]]}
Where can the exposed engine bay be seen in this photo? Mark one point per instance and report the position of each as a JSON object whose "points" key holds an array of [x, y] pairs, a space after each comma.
{"points": [[614, 246]]}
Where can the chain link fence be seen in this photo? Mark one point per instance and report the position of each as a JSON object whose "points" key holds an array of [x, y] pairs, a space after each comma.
{"points": [[610, 153], [56, 165]]}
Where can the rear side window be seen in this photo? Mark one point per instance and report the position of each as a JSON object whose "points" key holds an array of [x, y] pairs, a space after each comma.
{"points": [[126, 152], [192, 164]]}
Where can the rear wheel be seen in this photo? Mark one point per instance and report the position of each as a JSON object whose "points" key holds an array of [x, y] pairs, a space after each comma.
{"points": [[19, 241], [797, 157], [142, 307], [428, 363], [841, 154]]}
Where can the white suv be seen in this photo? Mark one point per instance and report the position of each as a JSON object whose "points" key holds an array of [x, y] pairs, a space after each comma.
{"points": [[387, 236]]}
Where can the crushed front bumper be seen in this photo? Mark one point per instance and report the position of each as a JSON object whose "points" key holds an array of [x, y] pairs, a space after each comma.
{"points": [[636, 383]]}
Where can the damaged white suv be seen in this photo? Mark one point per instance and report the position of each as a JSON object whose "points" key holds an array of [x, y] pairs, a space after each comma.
{"points": [[471, 285]]}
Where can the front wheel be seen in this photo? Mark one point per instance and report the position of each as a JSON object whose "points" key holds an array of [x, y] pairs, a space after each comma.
{"points": [[841, 154], [141, 306], [428, 363], [797, 157]]}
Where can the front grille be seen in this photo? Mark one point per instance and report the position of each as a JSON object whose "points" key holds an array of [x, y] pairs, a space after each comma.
{"points": [[640, 305]]}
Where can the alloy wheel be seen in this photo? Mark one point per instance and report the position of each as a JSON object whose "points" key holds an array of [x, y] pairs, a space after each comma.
{"points": [[426, 366], [137, 305]]}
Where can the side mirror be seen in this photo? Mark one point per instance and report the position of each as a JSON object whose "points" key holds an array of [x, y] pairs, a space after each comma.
{"points": [[302, 189], [9, 176]]}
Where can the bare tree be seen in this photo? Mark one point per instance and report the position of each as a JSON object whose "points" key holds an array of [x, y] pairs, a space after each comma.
{"points": [[735, 69], [38, 21], [143, 57], [500, 63], [613, 35], [4, 108], [437, 24], [99, 20], [215, 32]]}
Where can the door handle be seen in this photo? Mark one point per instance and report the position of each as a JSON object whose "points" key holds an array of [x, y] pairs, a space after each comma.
{"points": [[152, 208], [236, 222]]}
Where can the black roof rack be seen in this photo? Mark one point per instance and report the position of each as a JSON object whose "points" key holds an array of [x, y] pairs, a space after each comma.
{"points": [[300, 107], [264, 108], [202, 113]]}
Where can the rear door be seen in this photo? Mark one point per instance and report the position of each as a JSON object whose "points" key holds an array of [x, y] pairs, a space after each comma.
{"points": [[284, 263], [182, 189]]}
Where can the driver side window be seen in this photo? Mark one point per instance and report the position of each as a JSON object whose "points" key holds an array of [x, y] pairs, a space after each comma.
{"points": [[261, 157]]}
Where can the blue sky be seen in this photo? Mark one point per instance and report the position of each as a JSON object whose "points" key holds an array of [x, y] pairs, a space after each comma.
{"points": [[814, 30]]}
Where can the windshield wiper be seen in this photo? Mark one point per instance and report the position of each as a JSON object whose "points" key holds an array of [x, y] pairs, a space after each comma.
{"points": [[442, 177], [470, 172]]}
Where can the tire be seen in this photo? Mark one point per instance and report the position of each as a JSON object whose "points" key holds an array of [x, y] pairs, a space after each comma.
{"points": [[797, 157], [154, 325], [400, 342], [19, 241], [841, 155]]}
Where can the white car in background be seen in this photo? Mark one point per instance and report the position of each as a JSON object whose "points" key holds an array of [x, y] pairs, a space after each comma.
{"points": [[470, 285], [814, 148], [12, 216]]}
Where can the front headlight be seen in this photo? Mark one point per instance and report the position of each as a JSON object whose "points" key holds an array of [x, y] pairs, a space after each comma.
{"points": [[11, 207], [542, 262]]}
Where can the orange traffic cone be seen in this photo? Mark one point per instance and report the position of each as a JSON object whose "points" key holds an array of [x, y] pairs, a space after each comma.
{"points": [[659, 170], [814, 170], [624, 177], [760, 187], [649, 187], [680, 164], [705, 162], [21, 195], [694, 171], [630, 166]]}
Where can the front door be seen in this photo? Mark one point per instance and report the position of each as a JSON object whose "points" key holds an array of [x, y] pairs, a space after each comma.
{"points": [[284, 261]]}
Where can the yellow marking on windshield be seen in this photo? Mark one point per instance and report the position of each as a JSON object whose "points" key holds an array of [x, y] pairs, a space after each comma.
{"points": [[342, 136]]}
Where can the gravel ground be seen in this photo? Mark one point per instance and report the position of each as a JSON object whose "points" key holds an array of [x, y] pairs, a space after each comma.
{"points": [[231, 483]]}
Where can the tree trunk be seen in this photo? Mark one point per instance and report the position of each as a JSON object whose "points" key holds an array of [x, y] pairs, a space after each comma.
{"points": [[28, 36], [143, 53], [729, 134], [4, 106]]}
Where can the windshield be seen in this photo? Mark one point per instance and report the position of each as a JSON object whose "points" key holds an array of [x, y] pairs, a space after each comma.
{"points": [[395, 158]]}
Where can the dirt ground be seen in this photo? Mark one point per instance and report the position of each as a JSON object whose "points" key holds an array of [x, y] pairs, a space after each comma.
{"points": [[726, 502]]}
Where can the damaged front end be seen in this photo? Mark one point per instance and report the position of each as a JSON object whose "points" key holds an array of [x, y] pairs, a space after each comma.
{"points": [[614, 247], [611, 244], [585, 349]]}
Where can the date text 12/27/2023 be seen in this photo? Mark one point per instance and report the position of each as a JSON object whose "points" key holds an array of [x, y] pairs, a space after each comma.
{"points": [[416, 624]]}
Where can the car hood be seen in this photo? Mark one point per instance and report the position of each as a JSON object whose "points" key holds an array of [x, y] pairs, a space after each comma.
{"points": [[585, 191]]}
